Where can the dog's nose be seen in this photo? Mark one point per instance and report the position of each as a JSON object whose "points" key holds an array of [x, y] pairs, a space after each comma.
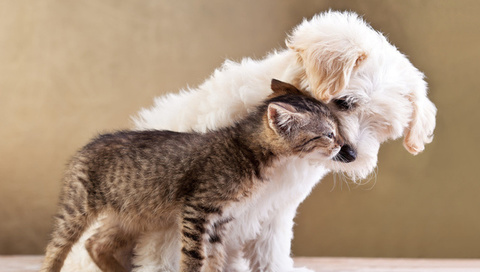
{"points": [[346, 154]]}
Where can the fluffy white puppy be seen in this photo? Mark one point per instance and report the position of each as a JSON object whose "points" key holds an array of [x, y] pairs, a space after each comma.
{"points": [[373, 88]]}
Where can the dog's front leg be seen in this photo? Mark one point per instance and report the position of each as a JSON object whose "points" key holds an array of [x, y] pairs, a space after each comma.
{"points": [[159, 250], [271, 250], [236, 261]]}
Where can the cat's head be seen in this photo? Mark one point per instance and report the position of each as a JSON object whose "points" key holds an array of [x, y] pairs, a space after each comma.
{"points": [[301, 125]]}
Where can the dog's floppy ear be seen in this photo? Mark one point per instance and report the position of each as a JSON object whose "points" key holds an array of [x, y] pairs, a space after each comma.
{"points": [[420, 129], [328, 57]]}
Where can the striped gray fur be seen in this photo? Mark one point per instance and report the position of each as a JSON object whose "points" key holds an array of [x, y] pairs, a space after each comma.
{"points": [[148, 179]]}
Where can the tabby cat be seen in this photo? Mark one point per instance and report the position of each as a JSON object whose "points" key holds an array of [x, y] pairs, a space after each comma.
{"points": [[151, 179]]}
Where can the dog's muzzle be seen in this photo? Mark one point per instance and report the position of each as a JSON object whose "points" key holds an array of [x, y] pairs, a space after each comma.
{"points": [[346, 154]]}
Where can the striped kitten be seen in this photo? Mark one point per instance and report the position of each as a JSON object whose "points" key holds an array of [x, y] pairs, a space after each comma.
{"points": [[149, 180]]}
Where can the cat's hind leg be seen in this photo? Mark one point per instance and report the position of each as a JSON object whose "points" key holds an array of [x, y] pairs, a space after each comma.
{"points": [[70, 222], [111, 247]]}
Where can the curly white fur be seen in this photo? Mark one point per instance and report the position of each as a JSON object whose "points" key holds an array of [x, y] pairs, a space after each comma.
{"points": [[334, 55]]}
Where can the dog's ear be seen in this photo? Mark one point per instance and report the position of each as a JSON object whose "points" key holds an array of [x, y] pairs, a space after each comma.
{"points": [[328, 60], [282, 117], [280, 88], [420, 129]]}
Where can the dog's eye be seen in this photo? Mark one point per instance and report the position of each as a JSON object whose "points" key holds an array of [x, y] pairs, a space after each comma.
{"points": [[343, 104]]}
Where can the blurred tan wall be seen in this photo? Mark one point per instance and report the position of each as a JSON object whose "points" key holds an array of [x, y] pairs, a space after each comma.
{"points": [[71, 69]]}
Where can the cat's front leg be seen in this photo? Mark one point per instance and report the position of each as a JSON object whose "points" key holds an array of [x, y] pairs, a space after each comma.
{"points": [[193, 248], [270, 251], [217, 255]]}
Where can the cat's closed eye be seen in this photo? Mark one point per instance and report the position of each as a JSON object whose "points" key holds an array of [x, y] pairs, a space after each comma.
{"points": [[328, 135], [313, 139]]}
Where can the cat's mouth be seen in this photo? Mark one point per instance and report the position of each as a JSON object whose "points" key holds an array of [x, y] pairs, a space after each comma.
{"points": [[333, 153], [328, 154]]}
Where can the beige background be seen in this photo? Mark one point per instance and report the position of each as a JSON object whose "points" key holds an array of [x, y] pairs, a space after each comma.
{"points": [[70, 69]]}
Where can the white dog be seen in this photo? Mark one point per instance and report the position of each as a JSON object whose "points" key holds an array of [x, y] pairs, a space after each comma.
{"points": [[374, 90]]}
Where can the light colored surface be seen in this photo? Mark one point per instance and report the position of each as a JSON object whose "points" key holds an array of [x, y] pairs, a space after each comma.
{"points": [[70, 69], [388, 265], [32, 263]]}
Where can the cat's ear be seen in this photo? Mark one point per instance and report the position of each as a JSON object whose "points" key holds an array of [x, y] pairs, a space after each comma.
{"points": [[282, 117], [280, 87]]}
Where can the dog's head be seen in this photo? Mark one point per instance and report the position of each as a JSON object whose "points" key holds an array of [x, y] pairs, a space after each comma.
{"points": [[374, 90]]}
